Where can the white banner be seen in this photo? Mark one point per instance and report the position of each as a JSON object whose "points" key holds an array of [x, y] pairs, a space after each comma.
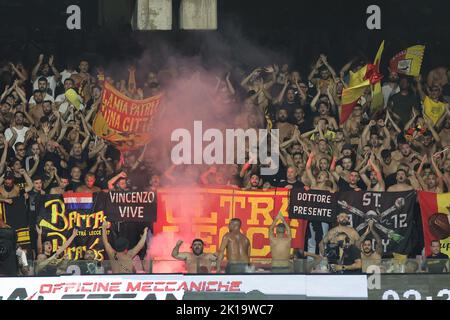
{"points": [[141, 287]]}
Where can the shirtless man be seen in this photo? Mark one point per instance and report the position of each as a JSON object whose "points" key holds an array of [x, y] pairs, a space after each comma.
{"points": [[280, 245], [402, 183], [342, 227], [238, 248], [196, 261], [89, 181], [322, 182], [444, 134], [369, 256], [61, 188], [121, 258], [282, 124], [388, 164], [375, 181]]}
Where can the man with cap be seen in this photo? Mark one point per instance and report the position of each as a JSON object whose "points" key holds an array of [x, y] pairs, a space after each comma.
{"points": [[196, 261]]}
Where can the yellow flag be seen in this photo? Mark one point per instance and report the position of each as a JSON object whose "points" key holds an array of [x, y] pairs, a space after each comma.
{"points": [[434, 110], [408, 61], [357, 77], [377, 94]]}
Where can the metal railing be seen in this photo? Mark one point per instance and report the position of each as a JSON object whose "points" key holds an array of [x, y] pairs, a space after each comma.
{"points": [[257, 266]]}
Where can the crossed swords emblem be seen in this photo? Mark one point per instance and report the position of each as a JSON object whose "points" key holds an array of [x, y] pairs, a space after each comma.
{"points": [[377, 217]]}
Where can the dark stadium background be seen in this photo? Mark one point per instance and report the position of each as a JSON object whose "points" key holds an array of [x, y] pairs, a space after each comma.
{"points": [[293, 30]]}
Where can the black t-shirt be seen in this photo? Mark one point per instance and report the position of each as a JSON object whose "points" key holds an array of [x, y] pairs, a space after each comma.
{"points": [[345, 186], [349, 256], [52, 184], [81, 162], [297, 184], [402, 106], [29, 163], [139, 178], [20, 182], [437, 263], [305, 126], [290, 106], [55, 158], [113, 153], [73, 185]]}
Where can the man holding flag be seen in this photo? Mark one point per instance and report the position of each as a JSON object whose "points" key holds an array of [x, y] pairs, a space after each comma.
{"points": [[367, 76]]}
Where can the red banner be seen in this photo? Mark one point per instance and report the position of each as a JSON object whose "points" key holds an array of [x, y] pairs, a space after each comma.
{"points": [[186, 214], [123, 121], [435, 209]]}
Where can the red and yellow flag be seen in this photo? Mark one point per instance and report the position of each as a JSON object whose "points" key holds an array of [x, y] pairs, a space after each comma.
{"points": [[125, 122], [350, 97], [377, 94], [367, 76], [408, 61], [435, 209]]}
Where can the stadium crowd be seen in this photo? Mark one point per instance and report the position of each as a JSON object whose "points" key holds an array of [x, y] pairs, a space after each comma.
{"points": [[48, 146]]}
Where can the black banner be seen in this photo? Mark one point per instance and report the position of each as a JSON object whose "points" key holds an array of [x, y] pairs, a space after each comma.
{"points": [[313, 205], [139, 206], [58, 219], [15, 215], [391, 212]]}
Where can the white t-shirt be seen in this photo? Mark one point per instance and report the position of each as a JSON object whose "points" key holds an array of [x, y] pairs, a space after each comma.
{"points": [[66, 74], [387, 91], [51, 84], [65, 104], [47, 97], [20, 134]]}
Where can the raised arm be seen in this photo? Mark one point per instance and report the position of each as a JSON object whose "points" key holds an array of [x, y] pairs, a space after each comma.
{"points": [[36, 67], [430, 126], [435, 166], [333, 168], [279, 98], [387, 137], [377, 171], [329, 67], [140, 244], [318, 64], [345, 69], [67, 243], [176, 251], [308, 169], [420, 88], [229, 84], [244, 82], [365, 134], [29, 183], [52, 66], [410, 121], [18, 72], [314, 100], [4, 155], [362, 174], [109, 249], [388, 117], [113, 180], [39, 240]]}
